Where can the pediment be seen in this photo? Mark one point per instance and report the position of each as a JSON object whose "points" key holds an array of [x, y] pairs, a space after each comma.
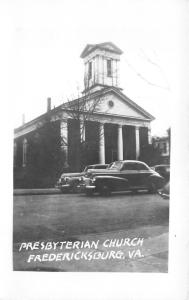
{"points": [[115, 104], [106, 46]]}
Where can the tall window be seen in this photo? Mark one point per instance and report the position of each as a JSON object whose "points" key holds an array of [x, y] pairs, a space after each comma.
{"points": [[90, 69], [15, 153], [24, 160], [164, 148], [109, 67]]}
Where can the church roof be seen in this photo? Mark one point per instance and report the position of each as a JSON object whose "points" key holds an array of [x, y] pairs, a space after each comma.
{"points": [[70, 105], [108, 46], [116, 91], [133, 104]]}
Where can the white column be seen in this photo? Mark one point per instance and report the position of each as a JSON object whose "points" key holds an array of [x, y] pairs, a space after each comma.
{"points": [[101, 144], [137, 142], [149, 136], [120, 143], [82, 130], [64, 139]]}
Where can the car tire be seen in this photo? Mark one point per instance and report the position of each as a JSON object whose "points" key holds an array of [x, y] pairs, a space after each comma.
{"points": [[104, 190], [74, 188]]}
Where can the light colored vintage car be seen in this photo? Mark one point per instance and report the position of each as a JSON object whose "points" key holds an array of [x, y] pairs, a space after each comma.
{"points": [[68, 182], [121, 176]]}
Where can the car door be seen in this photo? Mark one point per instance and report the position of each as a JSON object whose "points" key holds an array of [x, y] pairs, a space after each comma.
{"points": [[136, 174], [130, 173], [144, 173]]}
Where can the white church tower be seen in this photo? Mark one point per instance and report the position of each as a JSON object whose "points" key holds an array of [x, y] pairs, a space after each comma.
{"points": [[101, 66]]}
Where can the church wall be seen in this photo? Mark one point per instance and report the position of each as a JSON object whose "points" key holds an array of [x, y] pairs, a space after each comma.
{"points": [[91, 152], [73, 144], [110, 131], [43, 159], [129, 142]]}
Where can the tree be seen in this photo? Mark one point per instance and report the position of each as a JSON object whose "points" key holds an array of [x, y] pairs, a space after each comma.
{"points": [[150, 154], [45, 158], [85, 133], [45, 145], [169, 139]]}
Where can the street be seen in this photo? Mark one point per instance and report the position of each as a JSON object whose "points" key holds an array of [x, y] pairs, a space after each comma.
{"points": [[75, 219]]}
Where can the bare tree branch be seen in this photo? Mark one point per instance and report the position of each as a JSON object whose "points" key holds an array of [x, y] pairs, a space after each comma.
{"points": [[158, 65], [166, 87]]}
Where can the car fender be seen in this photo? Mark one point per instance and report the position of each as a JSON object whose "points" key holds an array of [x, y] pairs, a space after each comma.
{"points": [[108, 178], [158, 176], [73, 180], [157, 179]]}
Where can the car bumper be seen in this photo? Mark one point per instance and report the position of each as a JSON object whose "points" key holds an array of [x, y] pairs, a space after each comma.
{"points": [[68, 188], [163, 195], [90, 187], [64, 187], [83, 187]]}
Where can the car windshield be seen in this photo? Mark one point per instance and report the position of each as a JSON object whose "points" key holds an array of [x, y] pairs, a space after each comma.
{"points": [[116, 165]]}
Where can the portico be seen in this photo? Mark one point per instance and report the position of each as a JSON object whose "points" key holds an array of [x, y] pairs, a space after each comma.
{"points": [[121, 134], [120, 140]]}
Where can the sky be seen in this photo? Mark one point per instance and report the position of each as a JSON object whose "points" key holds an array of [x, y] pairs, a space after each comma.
{"points": [[47, 38]]}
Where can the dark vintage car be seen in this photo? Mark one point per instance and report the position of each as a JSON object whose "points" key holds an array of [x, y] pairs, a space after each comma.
{"points": [[68, 182], [163, 170], [121, 176]]}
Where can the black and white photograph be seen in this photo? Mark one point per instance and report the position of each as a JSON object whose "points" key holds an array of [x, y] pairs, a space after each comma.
{"points": [[94, 88], [91, 181]]}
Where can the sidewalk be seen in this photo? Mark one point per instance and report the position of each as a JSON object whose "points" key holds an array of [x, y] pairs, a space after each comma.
{"points": [[48, 191]]}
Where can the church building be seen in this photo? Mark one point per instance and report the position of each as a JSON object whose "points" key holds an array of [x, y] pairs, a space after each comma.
{"points": [[116, 126]]}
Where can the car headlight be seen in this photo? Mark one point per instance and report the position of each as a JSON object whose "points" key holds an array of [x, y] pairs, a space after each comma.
{"points": [[67, 179], [81, 179], [64, 180], [89, 181], [88, 174]]}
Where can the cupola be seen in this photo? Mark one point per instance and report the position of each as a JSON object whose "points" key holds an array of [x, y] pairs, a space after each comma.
{"points": [[101, 66]]}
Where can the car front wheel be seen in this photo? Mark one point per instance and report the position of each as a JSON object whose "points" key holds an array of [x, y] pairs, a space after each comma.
{"points": [[74, 188], [104, 190]]}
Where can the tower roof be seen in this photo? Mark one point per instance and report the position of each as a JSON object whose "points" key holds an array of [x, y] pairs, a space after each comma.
{"points": [[108, 46]]}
